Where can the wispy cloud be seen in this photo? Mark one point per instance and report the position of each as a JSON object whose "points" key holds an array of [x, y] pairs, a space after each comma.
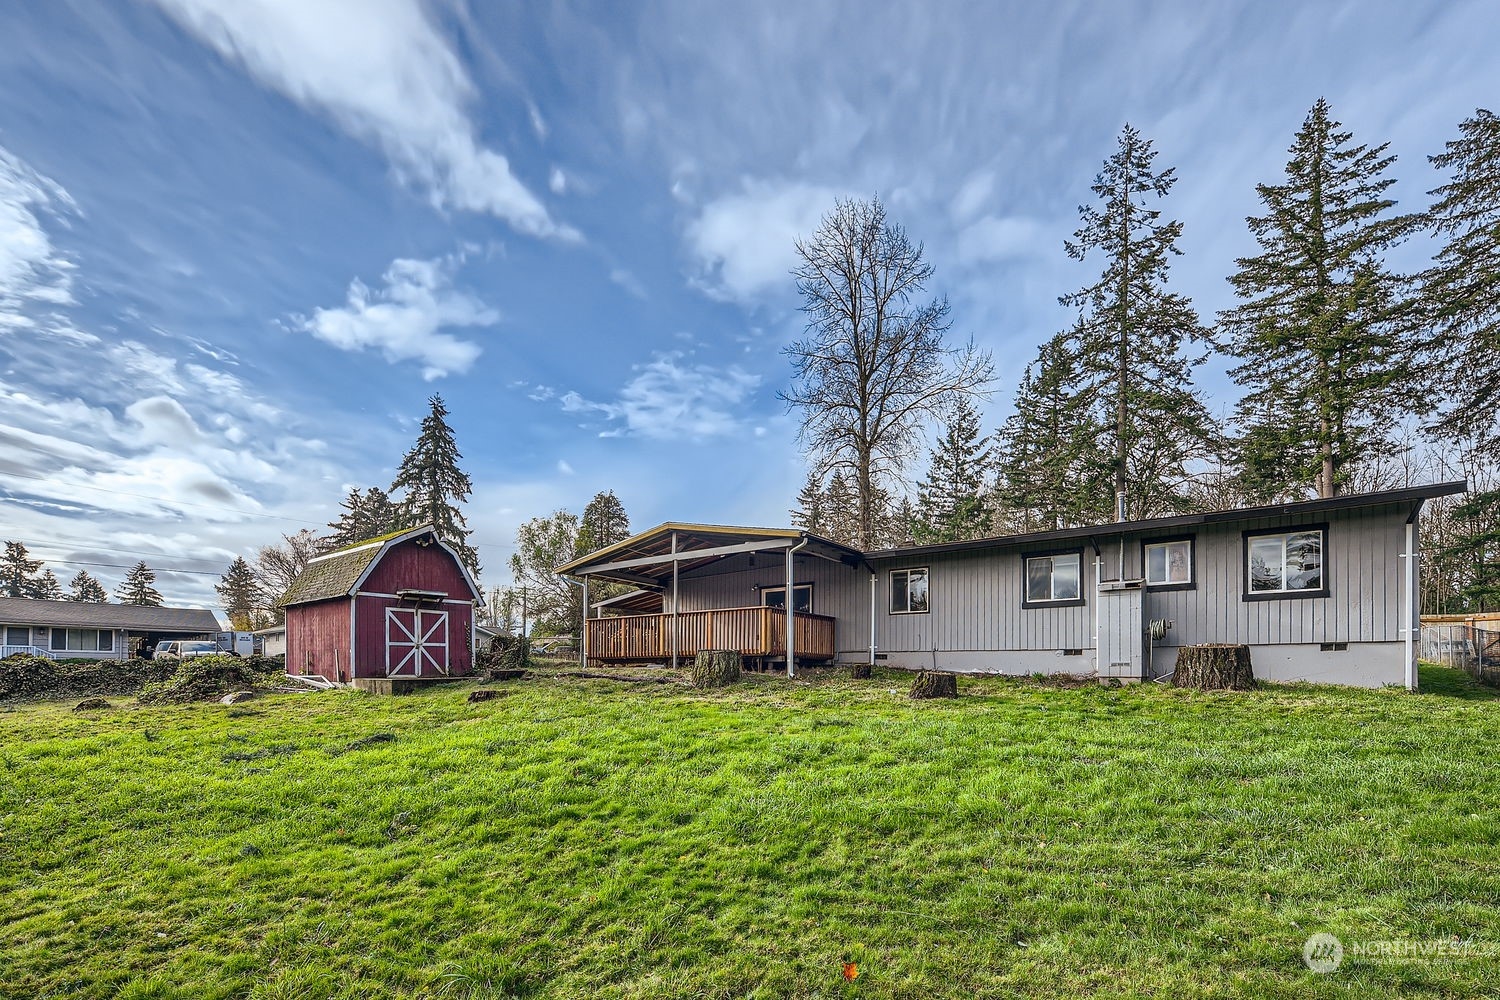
{"points": [[671, 400], [404, 319], [386, 75], [34, 274]]}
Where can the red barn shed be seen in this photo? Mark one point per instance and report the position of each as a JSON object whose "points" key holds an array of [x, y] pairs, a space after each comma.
{"points": [[399, 608]]}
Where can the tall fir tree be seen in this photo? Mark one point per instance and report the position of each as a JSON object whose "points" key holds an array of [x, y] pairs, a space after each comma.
{"points": [[19, 573], [239, 593], [809, 513], [604, 522], [953, 504], [1320, 323], [1134, 333], [1052, 471], [84, 589], [432, 487], [47, 587], [138, 587], [364, 514], [1461, 291], [842, 509]]}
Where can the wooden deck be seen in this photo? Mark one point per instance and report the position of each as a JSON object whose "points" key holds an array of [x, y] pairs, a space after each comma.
{"points": [[757, 632]]}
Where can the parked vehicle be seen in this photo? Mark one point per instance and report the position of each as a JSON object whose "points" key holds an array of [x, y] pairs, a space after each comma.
{"points": [[185, 649]]}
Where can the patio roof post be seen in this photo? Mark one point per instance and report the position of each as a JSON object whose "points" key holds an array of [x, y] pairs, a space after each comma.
{"points": [[583, 625], [675, 564]]}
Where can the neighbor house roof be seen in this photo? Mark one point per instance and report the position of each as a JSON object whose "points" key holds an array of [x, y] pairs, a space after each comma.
{"points": [[77, 614], [340, 572], [1300, 508]]}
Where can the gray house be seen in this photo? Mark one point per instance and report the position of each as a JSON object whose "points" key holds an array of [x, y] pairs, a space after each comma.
{"points": [[1322, 590], [73, 629]]}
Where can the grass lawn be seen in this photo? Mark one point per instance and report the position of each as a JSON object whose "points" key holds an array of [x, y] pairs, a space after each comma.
{"points": [[592, 839]]}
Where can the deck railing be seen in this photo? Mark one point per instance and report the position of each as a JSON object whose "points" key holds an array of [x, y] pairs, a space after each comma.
{"points": [[28, 650], [755, 631]]}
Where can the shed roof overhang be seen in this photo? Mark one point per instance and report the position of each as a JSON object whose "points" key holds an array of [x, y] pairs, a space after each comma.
{"points": [[646, 560]]}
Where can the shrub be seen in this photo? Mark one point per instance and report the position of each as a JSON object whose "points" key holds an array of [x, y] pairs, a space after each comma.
{"points": [[204, 678], [25, 676]]}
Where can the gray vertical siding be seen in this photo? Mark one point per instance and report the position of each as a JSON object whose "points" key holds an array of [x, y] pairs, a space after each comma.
{"points": [[977, 617]]}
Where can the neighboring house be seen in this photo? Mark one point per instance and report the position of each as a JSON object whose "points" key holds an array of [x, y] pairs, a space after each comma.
{"points": [[398, 607], [69, 629], [272, 640], [1322, 590]]}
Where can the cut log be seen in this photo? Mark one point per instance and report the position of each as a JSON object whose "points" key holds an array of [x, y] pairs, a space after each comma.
{"points": [[860, 671], [715, 668], [1214, 667], [931, 684]]}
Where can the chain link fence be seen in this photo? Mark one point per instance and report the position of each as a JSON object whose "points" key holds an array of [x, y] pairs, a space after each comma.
{"points": [[1466, 647]]}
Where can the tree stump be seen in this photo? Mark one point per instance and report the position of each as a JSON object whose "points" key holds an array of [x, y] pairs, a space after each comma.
{"points": [[860, 671], [1214, 667], [931, 684], [715, 668]]}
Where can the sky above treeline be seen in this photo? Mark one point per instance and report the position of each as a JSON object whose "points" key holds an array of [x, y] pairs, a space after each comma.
{"points": [[242, 243]]}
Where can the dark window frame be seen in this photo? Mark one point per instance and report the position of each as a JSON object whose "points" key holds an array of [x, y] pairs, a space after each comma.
{"points": [[25, 628], [1246, 594], [1080, 601], [811, 595], [1192, 583], [891, 590]]}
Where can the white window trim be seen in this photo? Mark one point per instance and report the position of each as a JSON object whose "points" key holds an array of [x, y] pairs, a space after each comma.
{"points": [[891, 582], [1027, 601]]}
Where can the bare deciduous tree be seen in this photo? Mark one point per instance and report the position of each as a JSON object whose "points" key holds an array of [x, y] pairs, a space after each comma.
{"points": [[276, 566], [874, 365]]}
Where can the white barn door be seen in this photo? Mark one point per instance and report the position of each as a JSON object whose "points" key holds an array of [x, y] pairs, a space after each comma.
{"points": [[416, 642]]}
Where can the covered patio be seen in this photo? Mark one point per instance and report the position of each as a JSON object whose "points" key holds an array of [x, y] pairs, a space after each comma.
{"points": [[654, 562]]}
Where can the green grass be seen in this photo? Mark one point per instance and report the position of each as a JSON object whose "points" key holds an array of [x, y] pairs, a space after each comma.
{"points": [[592, 839]]}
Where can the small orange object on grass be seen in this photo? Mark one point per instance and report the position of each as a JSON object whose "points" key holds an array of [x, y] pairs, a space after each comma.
{"points": [[851, 971]]}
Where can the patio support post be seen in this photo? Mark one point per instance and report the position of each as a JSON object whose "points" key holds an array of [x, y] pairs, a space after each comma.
{"points": [[791, 607], [675, 564], [583, 637]]}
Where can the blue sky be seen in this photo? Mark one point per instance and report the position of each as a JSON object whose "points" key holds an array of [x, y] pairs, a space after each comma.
{"points": [[242, 242]]}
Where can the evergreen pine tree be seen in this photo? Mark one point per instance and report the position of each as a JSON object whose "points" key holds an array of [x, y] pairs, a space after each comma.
{"points": [[1319, 323], [239, 593], [604, 523], [432, 486], [1475, 546], [19, 574], [84, 589], [842, 509], [953, 502], [366, 514], [1052, 471], [137, 587], [1462, 289], [47, 587], [1133, 331], [809, 514]]}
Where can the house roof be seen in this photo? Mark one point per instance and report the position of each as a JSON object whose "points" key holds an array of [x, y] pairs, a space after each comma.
{"points": [[646, 602], [1301, 508], [76, 614], [340, 572], [646, 559]]}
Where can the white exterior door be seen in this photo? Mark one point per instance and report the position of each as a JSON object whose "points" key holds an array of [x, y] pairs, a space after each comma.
{"points": [[416, 642]]}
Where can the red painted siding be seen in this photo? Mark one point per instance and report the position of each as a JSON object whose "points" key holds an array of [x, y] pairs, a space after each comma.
{"points": [[370, 645], [410, 566], [317, 638]]}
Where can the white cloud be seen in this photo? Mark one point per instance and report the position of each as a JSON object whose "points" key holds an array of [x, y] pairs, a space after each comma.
{"points": [[670, 400], [745, 243], [33, 272], [383, 72], [563, 467], [557, 181], [404, 319], [994, 238]]}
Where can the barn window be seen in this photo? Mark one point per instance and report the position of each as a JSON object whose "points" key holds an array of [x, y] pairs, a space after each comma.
{"points": [[1053, 579], [1286, 563], [1169, 563], [909, 591]]}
